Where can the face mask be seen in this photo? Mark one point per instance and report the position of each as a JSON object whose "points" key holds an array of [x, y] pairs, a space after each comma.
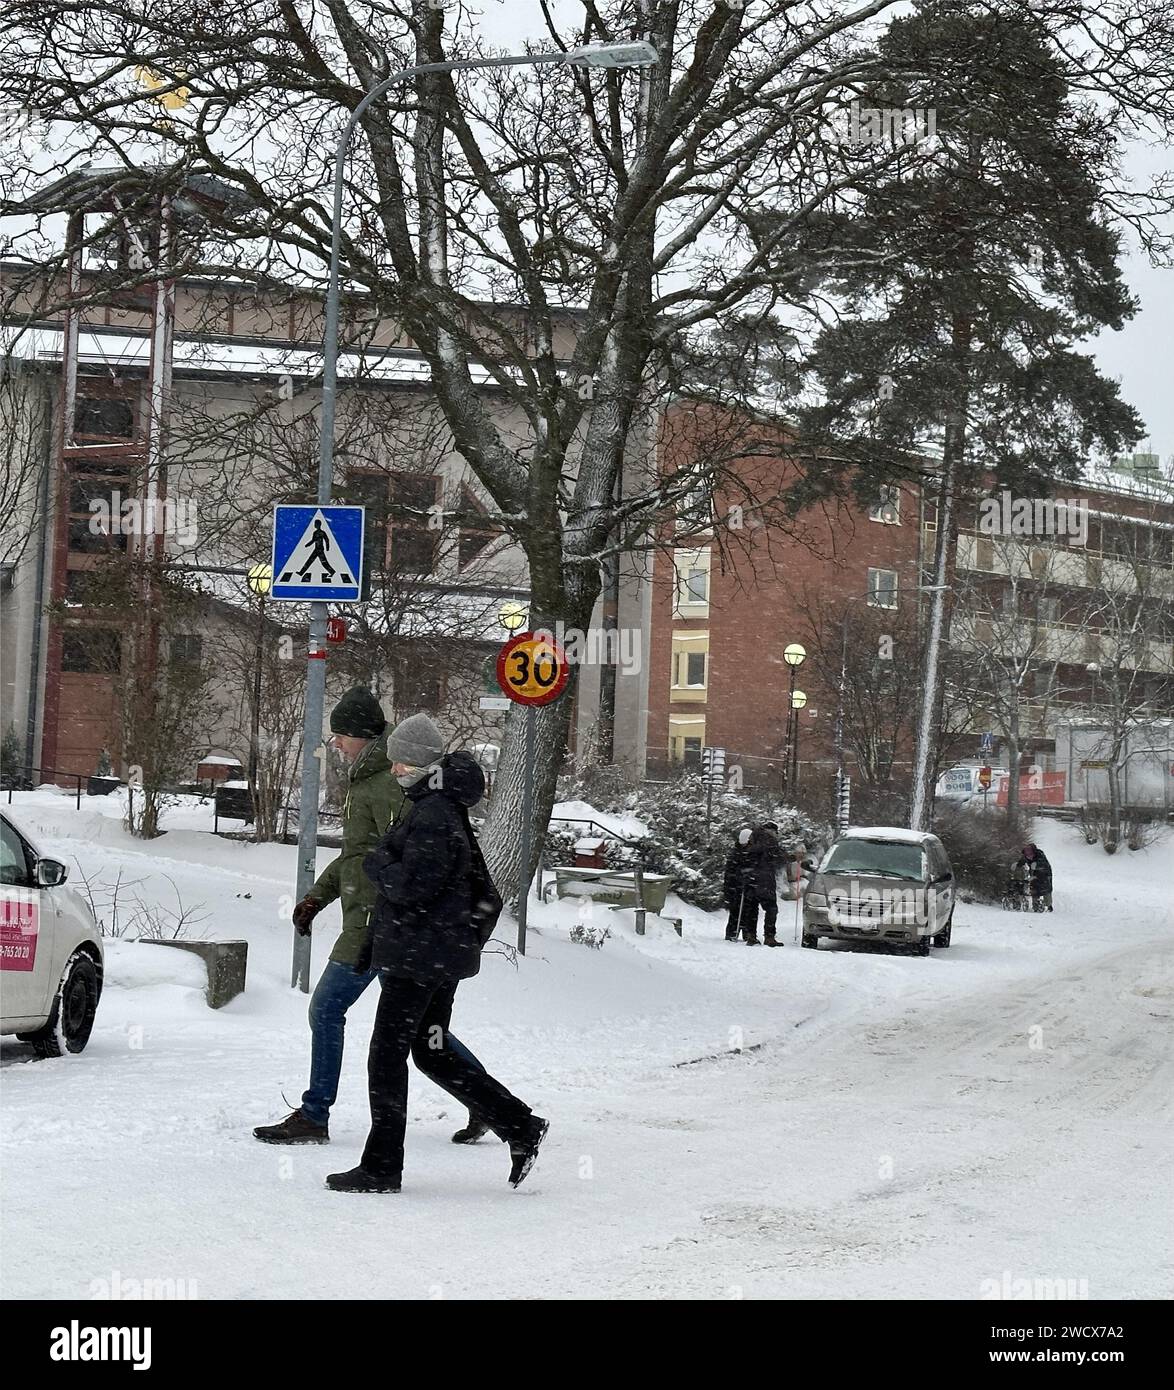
{"points": [[409, 779]]}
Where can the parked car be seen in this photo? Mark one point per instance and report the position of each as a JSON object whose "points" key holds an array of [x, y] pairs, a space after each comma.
{"points": [[51, 958], [881, 883]]}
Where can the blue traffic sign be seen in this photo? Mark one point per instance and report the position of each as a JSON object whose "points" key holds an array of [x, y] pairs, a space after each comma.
{"points": [[317, 554]]}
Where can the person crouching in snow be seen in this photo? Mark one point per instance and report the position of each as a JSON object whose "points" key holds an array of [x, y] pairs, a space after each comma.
{"points": [[741, 895], [431, 885], [1034, 871], [373, 800]]}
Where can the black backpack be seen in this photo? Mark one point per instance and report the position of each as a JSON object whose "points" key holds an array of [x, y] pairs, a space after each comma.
{"points": [[484, 897]]}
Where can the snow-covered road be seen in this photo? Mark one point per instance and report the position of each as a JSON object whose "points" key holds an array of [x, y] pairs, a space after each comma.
{"points": [[892, 1127]]}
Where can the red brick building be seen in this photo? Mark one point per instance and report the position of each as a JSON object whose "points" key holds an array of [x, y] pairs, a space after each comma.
{"points": [[737, 591]]}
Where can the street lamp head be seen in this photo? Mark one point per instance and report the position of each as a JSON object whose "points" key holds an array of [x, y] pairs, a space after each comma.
{"points": [[798, 700], [260, 579], [795, 655], [512, 615], [613, 55]]}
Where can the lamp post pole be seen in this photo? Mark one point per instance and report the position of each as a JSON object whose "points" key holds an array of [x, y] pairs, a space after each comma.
{"points": [[794, 655], [613, 55]]}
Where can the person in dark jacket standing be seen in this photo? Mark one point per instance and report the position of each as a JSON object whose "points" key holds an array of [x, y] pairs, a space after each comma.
{"points": [[740, 894], [1034, 870], [374, 799], [423, 944], [765, 844]]}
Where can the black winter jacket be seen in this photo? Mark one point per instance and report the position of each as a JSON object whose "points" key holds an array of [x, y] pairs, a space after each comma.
{"points": [[738, 879], [420, 928], [1042, 877]]}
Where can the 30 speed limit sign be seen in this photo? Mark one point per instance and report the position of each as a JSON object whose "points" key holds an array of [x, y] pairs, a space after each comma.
{"points": [[532, 669]]}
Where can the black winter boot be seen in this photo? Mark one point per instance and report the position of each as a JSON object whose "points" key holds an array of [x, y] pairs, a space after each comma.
{"points": [[294, 1129], [471, 1132], [359, 1180], [524, 1151]]}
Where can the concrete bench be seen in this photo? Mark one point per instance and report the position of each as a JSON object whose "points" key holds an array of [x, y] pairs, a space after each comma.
{"points": [[227, 962]]}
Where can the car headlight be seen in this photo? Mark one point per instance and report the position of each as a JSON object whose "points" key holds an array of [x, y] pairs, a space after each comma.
{"points": [[817, 899]]}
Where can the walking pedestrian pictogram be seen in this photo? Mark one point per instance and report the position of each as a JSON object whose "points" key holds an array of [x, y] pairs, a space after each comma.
{"points": [[317, 553]]}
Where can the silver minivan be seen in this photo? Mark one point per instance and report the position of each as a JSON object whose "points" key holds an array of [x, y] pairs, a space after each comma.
{"points": [[881, 883]]}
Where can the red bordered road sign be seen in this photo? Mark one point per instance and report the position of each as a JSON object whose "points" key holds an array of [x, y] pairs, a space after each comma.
{"points": [[532, 669]]}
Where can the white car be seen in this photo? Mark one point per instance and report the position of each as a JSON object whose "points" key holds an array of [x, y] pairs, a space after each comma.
{"points": [[51, 957]]}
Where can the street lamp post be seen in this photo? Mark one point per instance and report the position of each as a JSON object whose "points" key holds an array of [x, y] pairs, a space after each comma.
{"points": [[605, 55], [798, 701], [794, 655]]}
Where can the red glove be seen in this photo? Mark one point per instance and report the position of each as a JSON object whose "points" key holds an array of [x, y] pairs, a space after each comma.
{"points": [[304, 914]]}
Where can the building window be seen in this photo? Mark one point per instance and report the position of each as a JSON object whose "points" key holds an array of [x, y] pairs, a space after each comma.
{"points": [[887, 507], [692, 578], [417, 689], [103, 418], [414, 532], [186, 649], [882, 588], [692, 668], [475, 536], [691, 752], [92, 651]]}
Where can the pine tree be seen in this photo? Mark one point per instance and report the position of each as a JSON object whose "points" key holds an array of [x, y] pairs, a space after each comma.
{"points": [[977, 273]]}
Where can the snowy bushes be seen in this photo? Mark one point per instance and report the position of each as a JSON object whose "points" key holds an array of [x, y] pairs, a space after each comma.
{"points": [[982, 850]]}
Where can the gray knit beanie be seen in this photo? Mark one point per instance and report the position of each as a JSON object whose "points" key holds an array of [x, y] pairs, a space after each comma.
{"points": [[415, 741]]}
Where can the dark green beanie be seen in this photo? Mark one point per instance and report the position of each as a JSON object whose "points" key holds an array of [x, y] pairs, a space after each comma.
{"points": [[358, 715]]}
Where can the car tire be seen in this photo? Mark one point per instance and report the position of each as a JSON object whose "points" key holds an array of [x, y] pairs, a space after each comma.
{"points": [[943, 937], [74, 1007], [811, 942], [923, 945]]}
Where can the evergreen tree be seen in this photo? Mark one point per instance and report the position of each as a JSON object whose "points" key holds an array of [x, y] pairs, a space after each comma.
{"points": [[977, 273]]}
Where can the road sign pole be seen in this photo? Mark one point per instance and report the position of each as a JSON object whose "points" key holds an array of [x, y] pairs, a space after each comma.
{"points": [[311, 780], [527, 812]]}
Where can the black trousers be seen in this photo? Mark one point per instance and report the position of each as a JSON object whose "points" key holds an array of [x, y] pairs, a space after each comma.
{"points": [[412, 1019], [770, 915], [743, 916]]}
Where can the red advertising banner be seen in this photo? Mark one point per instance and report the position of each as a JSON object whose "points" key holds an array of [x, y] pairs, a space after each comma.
{"points": [[1036, 789], [18, 933]]}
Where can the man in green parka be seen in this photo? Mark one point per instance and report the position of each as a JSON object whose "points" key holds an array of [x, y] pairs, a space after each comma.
{"points": [[373, 801]]}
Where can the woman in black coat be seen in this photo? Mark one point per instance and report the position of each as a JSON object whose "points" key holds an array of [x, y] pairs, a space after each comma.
{"points": [[423, 943], [1033, 867]]}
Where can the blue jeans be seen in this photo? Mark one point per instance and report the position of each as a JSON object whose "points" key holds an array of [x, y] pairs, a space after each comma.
{"points": [[337, 989]]}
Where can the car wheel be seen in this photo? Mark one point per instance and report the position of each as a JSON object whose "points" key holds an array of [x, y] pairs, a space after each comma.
{"points": [[923, 945], [943, 937], [74, 1006], [811, 942]]}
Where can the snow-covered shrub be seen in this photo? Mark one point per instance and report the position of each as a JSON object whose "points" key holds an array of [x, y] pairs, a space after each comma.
{"points": [[982, 848], [679, 844], [590, 935]]}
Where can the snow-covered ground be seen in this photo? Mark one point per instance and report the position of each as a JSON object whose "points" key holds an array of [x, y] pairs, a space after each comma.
{"points": [[891, 1125]]}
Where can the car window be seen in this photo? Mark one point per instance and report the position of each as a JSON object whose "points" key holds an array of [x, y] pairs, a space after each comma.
{"points": [[15, 865], [900, 859]]}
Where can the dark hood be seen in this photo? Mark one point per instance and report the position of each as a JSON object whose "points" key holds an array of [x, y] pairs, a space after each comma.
{"points": [[462, 781]]}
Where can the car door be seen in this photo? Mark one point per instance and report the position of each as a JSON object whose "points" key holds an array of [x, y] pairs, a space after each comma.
{"points": [[26, 933]]}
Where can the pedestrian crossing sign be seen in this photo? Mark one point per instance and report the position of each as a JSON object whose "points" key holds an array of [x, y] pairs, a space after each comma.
{"points": [[317, 554]]}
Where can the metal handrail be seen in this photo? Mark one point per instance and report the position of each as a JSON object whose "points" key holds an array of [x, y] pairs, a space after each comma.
{"points": [[57, 772]]}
